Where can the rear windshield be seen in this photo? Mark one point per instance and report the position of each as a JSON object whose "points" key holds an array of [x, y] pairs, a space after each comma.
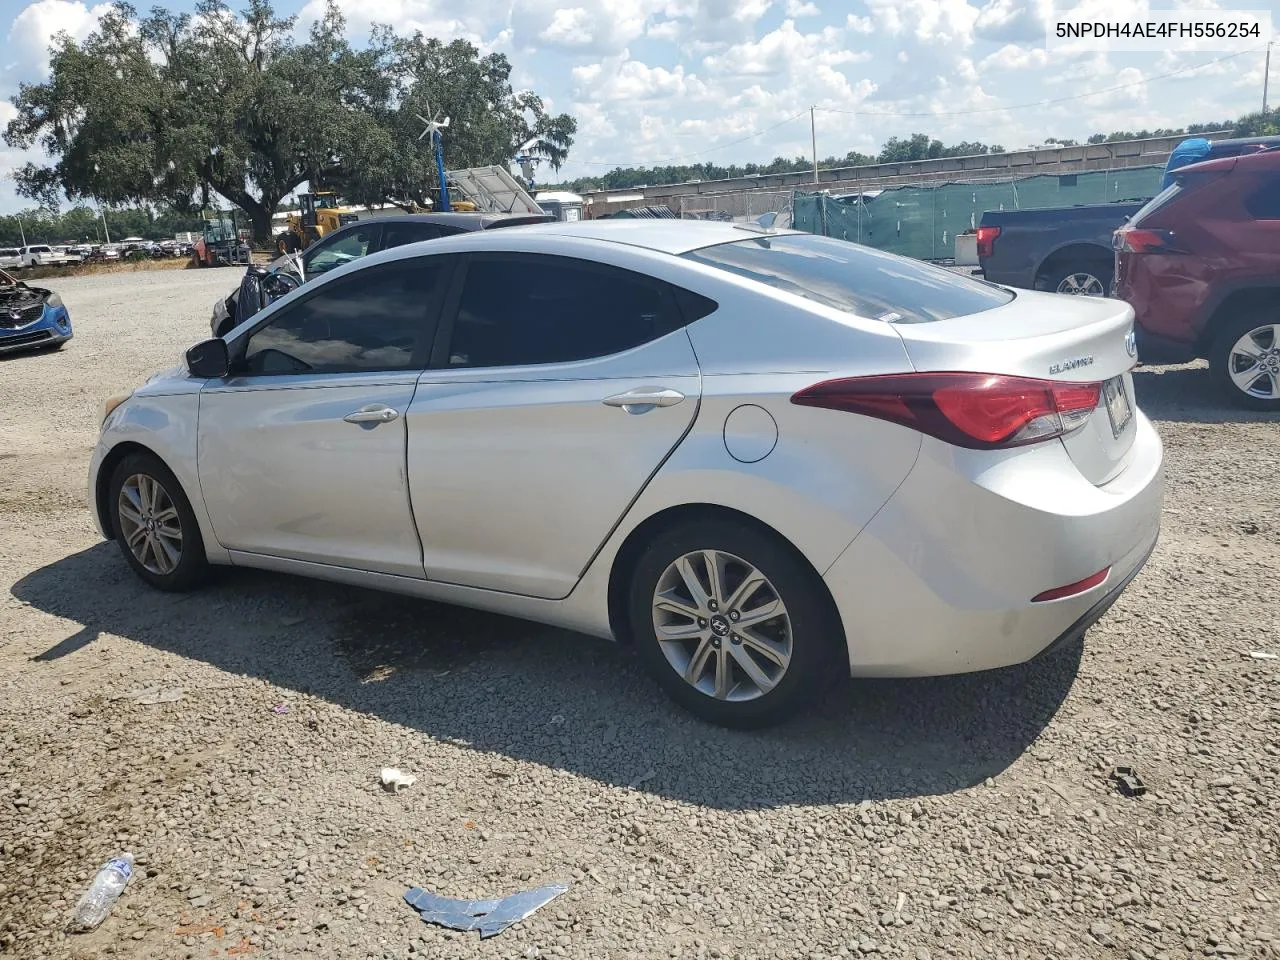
{"points": [[854, 278]]}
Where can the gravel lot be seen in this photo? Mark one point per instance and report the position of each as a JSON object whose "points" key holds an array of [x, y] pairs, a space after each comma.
{"points": [[965, 817]]}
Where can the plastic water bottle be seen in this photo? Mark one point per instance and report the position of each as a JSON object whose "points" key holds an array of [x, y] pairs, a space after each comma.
{"points": [[103, 893]]}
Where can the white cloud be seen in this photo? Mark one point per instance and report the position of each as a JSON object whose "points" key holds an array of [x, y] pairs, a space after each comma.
{"points": [[1014, 57], [623, 79], [802, 8], [33, 30], [784, 50]]}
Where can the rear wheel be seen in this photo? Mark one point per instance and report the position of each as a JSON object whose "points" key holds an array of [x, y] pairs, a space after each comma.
{"points": [[1081, 279], [1245, 358], [154, 524], [732, 622]]}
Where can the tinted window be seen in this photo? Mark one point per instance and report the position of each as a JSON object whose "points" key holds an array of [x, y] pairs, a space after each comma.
{"points": [[333, 252], [1264, 202], [370, 321], [398, 234], [854, 278], [539, 309]]}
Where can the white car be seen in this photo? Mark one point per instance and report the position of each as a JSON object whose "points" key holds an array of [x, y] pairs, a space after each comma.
{"points": [[751, 454], [10, 258], [42, 255]]}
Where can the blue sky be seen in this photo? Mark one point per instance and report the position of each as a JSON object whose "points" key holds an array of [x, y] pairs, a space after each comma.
{"points": [[655, 81]]}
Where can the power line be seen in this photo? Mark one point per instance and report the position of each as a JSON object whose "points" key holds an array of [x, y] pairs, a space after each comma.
{"points": [[1039, 103]]}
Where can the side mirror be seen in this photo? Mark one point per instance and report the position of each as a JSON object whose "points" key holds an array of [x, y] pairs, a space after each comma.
{"points": [[209, 359]]}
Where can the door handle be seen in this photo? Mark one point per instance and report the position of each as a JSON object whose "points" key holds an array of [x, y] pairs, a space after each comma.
{"points": [[644, 399], [372, 413]]}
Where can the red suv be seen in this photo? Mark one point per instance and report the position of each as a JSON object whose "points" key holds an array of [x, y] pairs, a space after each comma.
{"points": [[1200, 264]]}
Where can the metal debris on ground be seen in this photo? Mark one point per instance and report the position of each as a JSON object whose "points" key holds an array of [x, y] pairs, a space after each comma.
{"points": [[490, 917], [394, 779], [1262, 655], [1128, 782]]}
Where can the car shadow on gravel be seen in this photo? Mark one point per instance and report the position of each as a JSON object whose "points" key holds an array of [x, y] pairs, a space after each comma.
{"points": [[538, 694], [1188, 395]]}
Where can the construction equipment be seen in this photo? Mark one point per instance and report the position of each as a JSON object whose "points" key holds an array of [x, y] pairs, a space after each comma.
{"points": [[318, 215], [222, 242]]}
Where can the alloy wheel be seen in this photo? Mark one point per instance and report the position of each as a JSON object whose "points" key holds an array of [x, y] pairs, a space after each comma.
{"points": [[1254, 362], [1081, 284], [149, 524], [722, 626]]}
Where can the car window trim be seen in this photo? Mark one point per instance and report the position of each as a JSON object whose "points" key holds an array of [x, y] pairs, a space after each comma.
{"points": [[440, 352], [423, 342]]}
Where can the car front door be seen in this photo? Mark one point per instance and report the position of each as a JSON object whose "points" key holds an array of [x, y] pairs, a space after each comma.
{"points": [[302, 448], [557, 391]]}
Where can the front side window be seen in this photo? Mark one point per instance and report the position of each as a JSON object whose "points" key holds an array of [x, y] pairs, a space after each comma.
{"points": [[333, 252], [542, 309], [372, 321]]}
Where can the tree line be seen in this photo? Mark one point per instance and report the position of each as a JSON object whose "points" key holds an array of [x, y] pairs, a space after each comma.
{"points": [[918, 146], [82, 224], [172, 108]]}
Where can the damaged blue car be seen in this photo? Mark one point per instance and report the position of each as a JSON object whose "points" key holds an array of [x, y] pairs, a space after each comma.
{"points": [[31, 318]]}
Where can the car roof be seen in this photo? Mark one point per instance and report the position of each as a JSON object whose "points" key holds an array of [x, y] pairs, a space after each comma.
{"points": [[1268, 159], [464, 221], [665, 236]]}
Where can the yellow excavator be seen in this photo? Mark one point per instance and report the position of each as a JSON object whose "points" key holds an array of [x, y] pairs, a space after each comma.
{"points": [[318, 215]]}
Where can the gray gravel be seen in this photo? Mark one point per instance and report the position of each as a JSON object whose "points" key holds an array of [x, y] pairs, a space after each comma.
{"points": [[966, 817]]}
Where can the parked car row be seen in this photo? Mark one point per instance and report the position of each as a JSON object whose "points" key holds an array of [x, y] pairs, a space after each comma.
{"points": [[1199, 264], [45, 255]]}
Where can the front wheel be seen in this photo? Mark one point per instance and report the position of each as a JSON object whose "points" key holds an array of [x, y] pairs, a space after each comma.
{"points": [[733, 623], [154, 524], [1245, 359]]}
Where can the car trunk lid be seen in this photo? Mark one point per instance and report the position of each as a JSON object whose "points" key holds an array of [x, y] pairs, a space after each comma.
{"points": [[1048, 337]]}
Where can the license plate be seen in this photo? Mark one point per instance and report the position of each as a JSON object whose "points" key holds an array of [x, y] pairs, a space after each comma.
{"points": [[1119, 410]]}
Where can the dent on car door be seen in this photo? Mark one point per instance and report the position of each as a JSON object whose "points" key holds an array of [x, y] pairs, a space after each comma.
{"points": [[556, 393], [301, 449]]}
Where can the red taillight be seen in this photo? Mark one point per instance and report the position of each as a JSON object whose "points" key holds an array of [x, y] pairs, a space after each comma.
{"points": [[980, 411], [1136, 240], [987, 240], [1071, 589]]}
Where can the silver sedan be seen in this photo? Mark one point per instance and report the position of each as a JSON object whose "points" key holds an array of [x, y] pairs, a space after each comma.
{"points": [[761, 458]]}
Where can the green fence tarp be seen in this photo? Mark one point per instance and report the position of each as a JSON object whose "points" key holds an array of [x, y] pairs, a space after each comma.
{"points": [[922, 221]]}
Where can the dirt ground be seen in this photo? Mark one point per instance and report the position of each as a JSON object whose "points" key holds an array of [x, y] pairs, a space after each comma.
{"points": [[968, 816]]}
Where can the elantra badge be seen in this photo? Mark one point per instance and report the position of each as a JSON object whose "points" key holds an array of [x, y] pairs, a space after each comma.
{"points": [[1073, 364]]}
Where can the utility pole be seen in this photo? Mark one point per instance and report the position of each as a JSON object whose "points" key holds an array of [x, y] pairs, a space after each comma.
{"points": [[104, 223], [1266, 75], [813, 136], [22, 231]]}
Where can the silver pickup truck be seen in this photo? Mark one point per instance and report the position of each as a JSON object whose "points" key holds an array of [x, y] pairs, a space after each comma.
{"points": [[43, 255]]}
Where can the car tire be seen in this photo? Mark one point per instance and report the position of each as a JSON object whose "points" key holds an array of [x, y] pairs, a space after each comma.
{"points": [[1081, 278], [159, 537], [789, 655], [1254, 334]]}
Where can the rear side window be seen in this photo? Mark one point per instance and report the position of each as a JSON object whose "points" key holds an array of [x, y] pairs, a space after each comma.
{"points": [[1264, 202], [537, 309], [854, 278], [398, 234]]}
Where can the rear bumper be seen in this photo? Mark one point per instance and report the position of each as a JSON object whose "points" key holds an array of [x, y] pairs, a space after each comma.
{"points": [[941, 580]]}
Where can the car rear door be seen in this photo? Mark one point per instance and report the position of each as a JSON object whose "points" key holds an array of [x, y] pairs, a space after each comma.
{"points": [[558, 387]]}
